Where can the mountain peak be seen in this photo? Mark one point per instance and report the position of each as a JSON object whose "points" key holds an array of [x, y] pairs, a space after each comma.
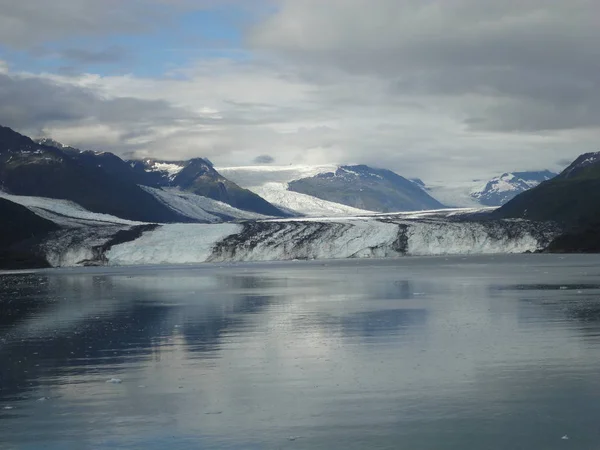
{"points": [[499, 190], [49, 142], [581, 165]]}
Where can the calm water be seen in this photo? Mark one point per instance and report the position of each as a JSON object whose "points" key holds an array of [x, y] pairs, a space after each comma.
{"points": [[417, 353]]}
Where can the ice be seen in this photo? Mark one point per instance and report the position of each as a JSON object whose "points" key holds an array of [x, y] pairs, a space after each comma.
{"points": [[172, 244], [114, 381], [278, 195], [199, 207], [381, 236], [565, 438], [65, 213]]}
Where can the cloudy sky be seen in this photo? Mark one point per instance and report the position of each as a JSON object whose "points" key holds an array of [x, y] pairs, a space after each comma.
{"points": [[440, 89]]}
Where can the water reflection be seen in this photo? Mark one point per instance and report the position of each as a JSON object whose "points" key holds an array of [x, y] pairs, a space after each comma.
{"points": [[422, 353]]}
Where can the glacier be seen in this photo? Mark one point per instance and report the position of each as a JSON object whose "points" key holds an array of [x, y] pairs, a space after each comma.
{"points": [[88, 238], [197, 207], [381, 236]]}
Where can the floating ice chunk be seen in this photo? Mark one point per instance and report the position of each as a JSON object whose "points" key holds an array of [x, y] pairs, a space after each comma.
{"points": [[43, 399], [293, 438], [564, 288], [114, 381], [565, 438], [8, 407]]}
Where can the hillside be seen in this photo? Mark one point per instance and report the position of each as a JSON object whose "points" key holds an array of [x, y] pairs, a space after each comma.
{"points": [[18, 224], [571, 199]]}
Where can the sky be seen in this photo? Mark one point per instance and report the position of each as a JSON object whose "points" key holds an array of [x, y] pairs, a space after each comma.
{"points": [[436, 89]]}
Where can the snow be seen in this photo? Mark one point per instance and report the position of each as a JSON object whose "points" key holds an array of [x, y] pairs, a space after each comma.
{"points": [[504, 183], [278, 195], [64, 212], [170, 169], [172, 244], [198, 207]]}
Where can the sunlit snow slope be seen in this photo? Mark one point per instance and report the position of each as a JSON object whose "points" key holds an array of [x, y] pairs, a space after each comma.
{"points": [[200, 208], [64, 212]]}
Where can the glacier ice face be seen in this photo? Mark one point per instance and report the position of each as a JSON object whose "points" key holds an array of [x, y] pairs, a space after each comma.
{"points": [[92, 239], [359, 237], [172, 244]]}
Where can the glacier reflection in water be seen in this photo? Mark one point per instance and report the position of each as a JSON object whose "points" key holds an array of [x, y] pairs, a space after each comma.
{"points": [[487, 352]]}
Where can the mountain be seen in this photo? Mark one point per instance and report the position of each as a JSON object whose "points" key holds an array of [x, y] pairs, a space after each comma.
{"points": [[364, 187], [572, 198], [317, 191], [198, 176], [32, 169], [195, 176], [507, 186]]}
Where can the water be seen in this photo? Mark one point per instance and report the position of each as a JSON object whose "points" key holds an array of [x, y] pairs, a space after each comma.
{"points": [[418, 353]]}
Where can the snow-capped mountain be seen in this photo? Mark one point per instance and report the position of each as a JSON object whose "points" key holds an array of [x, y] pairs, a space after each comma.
{"points": [[494, 192], [198, 176], [332, 190], [500, 190]]}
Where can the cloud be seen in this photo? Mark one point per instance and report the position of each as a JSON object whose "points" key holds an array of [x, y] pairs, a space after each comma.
{"points": [[25, 24], [264, 159], [39, 106], [432, 89], [535, 61]]}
